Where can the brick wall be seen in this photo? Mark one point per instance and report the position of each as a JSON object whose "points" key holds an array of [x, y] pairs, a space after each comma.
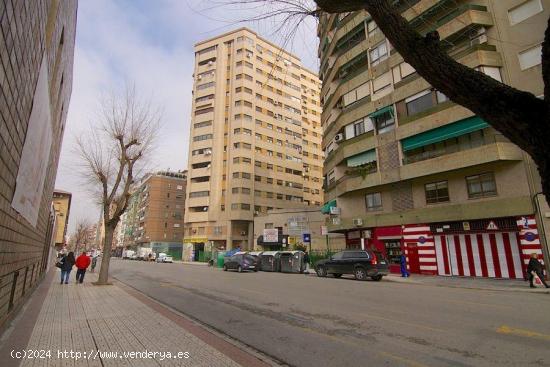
{"points": [[29, 31]]}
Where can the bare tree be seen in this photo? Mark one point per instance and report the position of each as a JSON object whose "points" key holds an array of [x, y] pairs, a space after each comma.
{"points": [[113, 154], [520, 116], [81, 234]]}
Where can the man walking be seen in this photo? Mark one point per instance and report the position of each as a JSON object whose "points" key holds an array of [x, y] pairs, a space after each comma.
{"points": [[535, 268], [403, 261], [82, 263]]}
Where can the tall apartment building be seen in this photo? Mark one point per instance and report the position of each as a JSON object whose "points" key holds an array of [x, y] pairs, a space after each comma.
{"points": [[255, 138], [36, 50], [406, 169], [154, 218], [62, 206]]}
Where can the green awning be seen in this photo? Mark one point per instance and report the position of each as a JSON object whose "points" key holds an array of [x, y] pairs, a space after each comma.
{"points": [[325, 209], [382, 111], [449, 131], [362, 158]]}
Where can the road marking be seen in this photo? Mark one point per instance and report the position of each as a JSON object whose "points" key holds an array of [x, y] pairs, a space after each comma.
{"points": [[522, 332], [403, 322], [401, 359]]}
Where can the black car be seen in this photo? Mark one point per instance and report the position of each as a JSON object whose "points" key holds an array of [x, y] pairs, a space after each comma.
{"points": [[241, 262], [362, 264]]}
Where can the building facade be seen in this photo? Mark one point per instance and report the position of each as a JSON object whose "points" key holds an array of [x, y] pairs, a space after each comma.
{"points": [[406, 169], [154, 218], [297, 228], [62, 206], [36, 49], [255, 138]]}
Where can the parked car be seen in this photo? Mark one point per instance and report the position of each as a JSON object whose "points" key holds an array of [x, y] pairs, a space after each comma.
{"points": [[164, 258], [240, 262], [361, 263]]}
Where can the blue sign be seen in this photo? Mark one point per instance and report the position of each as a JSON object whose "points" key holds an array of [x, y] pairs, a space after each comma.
{"points": [[306, 237], [530, 236]]}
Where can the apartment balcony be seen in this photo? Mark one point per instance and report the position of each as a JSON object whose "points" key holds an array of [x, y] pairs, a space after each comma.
{"points": [[199, 172], [198, 186], [463, 20], [489, 149], [196, 216], [356, 178]]}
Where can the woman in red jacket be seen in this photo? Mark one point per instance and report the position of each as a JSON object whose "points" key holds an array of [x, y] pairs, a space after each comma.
{"points": [[82, 263]]}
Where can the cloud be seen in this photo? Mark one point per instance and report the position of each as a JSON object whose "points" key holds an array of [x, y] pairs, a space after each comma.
{"points": [[149, 43]]}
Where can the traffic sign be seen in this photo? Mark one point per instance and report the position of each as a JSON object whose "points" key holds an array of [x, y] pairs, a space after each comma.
{"points": [[306, 237]]}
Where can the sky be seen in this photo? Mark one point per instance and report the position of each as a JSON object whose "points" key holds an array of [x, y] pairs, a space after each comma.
{"points": [[149, 43]]}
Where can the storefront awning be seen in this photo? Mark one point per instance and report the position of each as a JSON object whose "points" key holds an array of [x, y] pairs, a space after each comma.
{"points": [[195, 240], [382, 111], [453, 130], [362, 158], [325, 209]]}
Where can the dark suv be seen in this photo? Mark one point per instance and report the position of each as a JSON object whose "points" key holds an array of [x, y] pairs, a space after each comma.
{"points": [[362, 264], [241, 262]]}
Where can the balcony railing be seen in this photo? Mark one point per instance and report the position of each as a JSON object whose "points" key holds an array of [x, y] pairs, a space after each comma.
{"points": [[454, 148]]}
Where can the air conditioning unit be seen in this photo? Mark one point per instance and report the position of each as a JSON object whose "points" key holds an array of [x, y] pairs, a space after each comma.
{"points": [[287, 63], [210, 63], [243, 233], [339, 138], [357, 222], [256, 212], [207, 152], [199, 77]]}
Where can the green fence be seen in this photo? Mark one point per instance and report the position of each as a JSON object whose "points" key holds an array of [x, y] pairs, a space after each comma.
{"points": [[205, 256], [316, 255]]}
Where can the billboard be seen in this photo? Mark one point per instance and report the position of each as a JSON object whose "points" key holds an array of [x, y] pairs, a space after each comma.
{"points": [[271, 235]]}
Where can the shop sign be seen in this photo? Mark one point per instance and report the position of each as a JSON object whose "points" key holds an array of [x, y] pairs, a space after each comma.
{"points": [[525, 222], [492, 226], [421, 239], [306, 237], [466, 226], [291, 240], [271, 235], [334, 210]]}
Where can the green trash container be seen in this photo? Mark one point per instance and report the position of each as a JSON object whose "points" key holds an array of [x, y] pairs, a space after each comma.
{"points": [[221, 255]]}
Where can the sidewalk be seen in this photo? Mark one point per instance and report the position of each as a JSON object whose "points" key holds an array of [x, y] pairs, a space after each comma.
{"points": [[509, 285], [103, 325]]}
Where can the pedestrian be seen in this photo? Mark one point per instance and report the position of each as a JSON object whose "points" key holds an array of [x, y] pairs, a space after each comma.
{"points": [[535, 268], [94, 263], [306, 262], [66, 263], [403, 261], [82, 263]]}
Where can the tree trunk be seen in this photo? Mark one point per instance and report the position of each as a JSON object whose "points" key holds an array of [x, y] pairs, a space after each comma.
{"points": [[106, 256]]}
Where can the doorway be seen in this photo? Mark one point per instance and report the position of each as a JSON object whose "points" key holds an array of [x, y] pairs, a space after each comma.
{"points": [[413, 261]]}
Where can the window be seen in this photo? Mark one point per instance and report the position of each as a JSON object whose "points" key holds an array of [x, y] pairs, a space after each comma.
{"points": [[358, 128], [378, 53], [524, 11], [212, 48], [203, 124], [491, 71], [204, 110], [202, 137], [385, 122], [437, 192], [481, 185], [373, 201], [331, 177], [419, 102], [199, 194], [372, 28], [205, 85], [530, 57], [357, 94]]}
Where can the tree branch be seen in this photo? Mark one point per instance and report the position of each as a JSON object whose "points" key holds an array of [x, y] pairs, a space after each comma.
{"points": [[508, 110]]}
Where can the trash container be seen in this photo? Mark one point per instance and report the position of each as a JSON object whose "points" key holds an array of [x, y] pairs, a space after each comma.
{"points": [[221, 255], [270, 261], [292, 262]]}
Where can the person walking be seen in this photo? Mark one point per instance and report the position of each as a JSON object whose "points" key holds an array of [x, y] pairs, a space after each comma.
{"points": [[306, 262], [82, 263], [403, 261], [535, 268], [67, 263], [94, 263]]}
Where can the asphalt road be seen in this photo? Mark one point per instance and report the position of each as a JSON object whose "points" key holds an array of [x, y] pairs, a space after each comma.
{"points": [[308, 321]]}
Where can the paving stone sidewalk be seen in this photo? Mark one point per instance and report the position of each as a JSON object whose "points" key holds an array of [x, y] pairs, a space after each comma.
{"points": [[508, 285], [86, 318]]}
